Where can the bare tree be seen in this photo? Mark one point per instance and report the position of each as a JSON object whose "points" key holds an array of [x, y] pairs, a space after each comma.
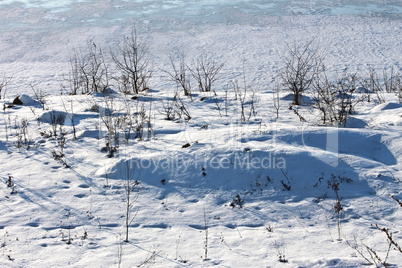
{"points": [[276, 99], [130, 196], [206, 71], [89, 71], [133, 61], [302, 66], [179, 73]]}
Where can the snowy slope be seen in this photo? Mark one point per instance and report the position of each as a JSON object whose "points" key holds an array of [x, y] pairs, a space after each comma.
{"points": [[69, 211]]}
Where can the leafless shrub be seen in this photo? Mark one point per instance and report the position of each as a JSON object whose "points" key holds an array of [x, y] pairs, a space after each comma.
{"points": [[89, 71], [182, 110], [280, 252], [133, 62], [206, 232], [347, 85], [373, 84], [218, 103], [398, 91], [61, 139], [276, 99], [372, 255], [22, 134], [296, 111], [253, 101], [334, 183], [179, 73], [119, 250], [168, 110], [131, 195], [205, 71], [237, 201], [56, 121], [124, 123], [140, 119], [59, 157], [3, 84], [176, 109], [390, 239], [338, 208], [302, 66], [286, 184], [226, 99], [40, 95], [137, 122], [397, 200], [111, 117], [241, 94], [71, 116], [325, 98], [335, 99], [149, 260], [245, 93], [391, 80]]}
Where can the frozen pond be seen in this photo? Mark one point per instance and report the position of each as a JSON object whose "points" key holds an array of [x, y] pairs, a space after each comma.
{"points": [[37, 36], [67, 13]]}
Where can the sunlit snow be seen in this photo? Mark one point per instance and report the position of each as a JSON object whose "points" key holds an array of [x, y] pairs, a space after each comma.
{"points": [[190, 172]]}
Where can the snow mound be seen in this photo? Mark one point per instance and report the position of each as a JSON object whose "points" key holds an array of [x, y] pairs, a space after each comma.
{"points": [[354, 122], [105, 92], [363, 90], [234, 171], [27, 100], [54, 117], [303, 99], [354, 143], [386, 106], [89, 134]]}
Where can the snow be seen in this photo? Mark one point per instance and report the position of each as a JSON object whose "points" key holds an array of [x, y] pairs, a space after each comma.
{"points": [[27, 100], [280, 167]]}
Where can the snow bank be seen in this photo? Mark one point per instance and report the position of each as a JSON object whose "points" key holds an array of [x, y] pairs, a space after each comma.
{"points": [[27, 100]]}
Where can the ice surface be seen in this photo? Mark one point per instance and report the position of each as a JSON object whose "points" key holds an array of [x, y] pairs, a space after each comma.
{"points": [[204, 11]]}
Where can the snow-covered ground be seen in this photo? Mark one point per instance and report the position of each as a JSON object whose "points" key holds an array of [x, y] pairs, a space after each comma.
{"points": [[281, 167]]}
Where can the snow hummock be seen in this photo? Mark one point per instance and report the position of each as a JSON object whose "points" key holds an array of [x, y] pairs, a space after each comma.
{"points": [[27, 100]]}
